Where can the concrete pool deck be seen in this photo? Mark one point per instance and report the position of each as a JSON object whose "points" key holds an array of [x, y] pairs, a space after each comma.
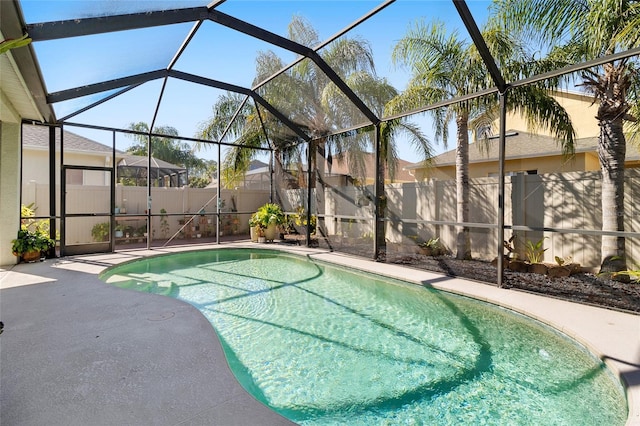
{"points": [[78, 351]]}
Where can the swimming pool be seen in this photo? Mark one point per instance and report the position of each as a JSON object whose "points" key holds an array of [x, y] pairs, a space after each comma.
{"points": [[326, 345]]}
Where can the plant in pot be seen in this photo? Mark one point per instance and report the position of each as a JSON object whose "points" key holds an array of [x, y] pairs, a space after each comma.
{"points": [[270, 216], [100, 232], [432, 247], [29, 245], [120, 231], [254, 227]]}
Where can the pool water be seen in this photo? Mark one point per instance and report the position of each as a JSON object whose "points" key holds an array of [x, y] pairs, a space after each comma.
{"points": [[323, 345]]}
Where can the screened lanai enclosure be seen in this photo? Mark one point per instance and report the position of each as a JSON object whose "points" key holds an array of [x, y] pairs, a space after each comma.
{"points": [[402, 131]]}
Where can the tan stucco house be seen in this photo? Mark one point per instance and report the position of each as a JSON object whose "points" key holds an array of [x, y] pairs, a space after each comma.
{"points": [[531, 152], [77, 150]]}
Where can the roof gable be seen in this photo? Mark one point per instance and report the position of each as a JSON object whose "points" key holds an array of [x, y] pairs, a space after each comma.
{"points": [[37, 137]]}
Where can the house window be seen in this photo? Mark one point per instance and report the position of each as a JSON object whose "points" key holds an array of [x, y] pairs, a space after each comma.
{"points": [[528, 172]]}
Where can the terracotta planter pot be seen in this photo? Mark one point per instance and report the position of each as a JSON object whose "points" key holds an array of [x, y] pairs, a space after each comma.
{"points": [[538, 268], [518, 266], [559, 271], [31, 256]]}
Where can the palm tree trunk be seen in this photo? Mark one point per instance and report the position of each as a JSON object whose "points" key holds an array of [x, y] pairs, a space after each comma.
{"points": [[463, 244], [611, 152]]}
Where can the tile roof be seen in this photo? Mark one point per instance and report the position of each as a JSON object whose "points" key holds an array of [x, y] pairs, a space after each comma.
{"points": [[38, 137], [343, 168], [519, 144]]}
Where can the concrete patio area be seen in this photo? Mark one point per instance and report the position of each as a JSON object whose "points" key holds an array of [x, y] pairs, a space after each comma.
{"points": [[76, 351]]}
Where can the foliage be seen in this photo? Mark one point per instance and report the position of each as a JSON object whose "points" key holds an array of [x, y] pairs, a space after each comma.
{"points": [[171, 150], [434, 246], [319, 108], [631, 274], [563, 260], [535, 251], [445, 66], [300, 219], [8, 44], [31, 241], [28, 223], [254, 220], [431, 243], [269, 213], [575, 32], [100, 231]]}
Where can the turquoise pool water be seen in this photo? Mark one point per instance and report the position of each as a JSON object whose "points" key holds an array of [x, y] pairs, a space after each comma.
{"points": [[326, 345]]}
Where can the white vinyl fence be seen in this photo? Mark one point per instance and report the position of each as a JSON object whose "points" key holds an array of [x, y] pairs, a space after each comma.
{"points": [[565, 203]]}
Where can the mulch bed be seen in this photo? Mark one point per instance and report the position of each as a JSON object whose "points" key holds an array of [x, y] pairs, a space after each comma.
{"points": [[582, 287]]}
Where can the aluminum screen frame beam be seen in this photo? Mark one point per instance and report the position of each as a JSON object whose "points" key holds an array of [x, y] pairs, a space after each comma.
{"points": [[92, 89], [285, 43], [243, 90], [54, 30], [481, 45]]}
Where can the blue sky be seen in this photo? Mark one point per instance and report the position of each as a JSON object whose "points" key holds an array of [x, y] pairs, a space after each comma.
{"points": [[216, 52]]}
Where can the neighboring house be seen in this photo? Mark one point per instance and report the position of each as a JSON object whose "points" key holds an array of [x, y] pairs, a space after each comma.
{"points": [[341, 171], [78, 150], [524, 153], [339, 174], [530, 153]]}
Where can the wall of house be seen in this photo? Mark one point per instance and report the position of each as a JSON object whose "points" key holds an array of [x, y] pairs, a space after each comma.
{"points": [[9, 189], [578, 106], [551, 164], [37, 168]]}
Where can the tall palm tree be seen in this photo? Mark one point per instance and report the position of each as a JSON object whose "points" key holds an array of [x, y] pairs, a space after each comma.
{"points": [[308, 97], [581, 30], [445, 66]]}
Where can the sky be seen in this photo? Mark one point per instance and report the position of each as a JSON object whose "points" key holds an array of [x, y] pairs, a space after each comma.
{"points": [[215, 52]]}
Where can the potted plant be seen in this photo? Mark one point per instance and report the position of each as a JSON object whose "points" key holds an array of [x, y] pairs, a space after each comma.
{"points": [[120, 230], [270, 216], [254, 227], [29, 245], [100, 231], [432, 247]]}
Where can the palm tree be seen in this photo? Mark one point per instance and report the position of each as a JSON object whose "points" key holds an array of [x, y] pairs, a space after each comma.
{"points": [[166, 148], [308, 97], [444, 66], [588, 29]]}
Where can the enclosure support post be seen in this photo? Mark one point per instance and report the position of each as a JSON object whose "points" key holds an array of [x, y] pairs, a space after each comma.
{"points": [[219, 177], [112, 196], [501, 155], [63, 198], [310, 153], [271, 174], [379, 245], [149, 224], [52, 186]]}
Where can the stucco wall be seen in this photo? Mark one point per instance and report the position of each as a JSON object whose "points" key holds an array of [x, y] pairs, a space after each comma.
{"points": [[9, 189], [552, 164]]}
